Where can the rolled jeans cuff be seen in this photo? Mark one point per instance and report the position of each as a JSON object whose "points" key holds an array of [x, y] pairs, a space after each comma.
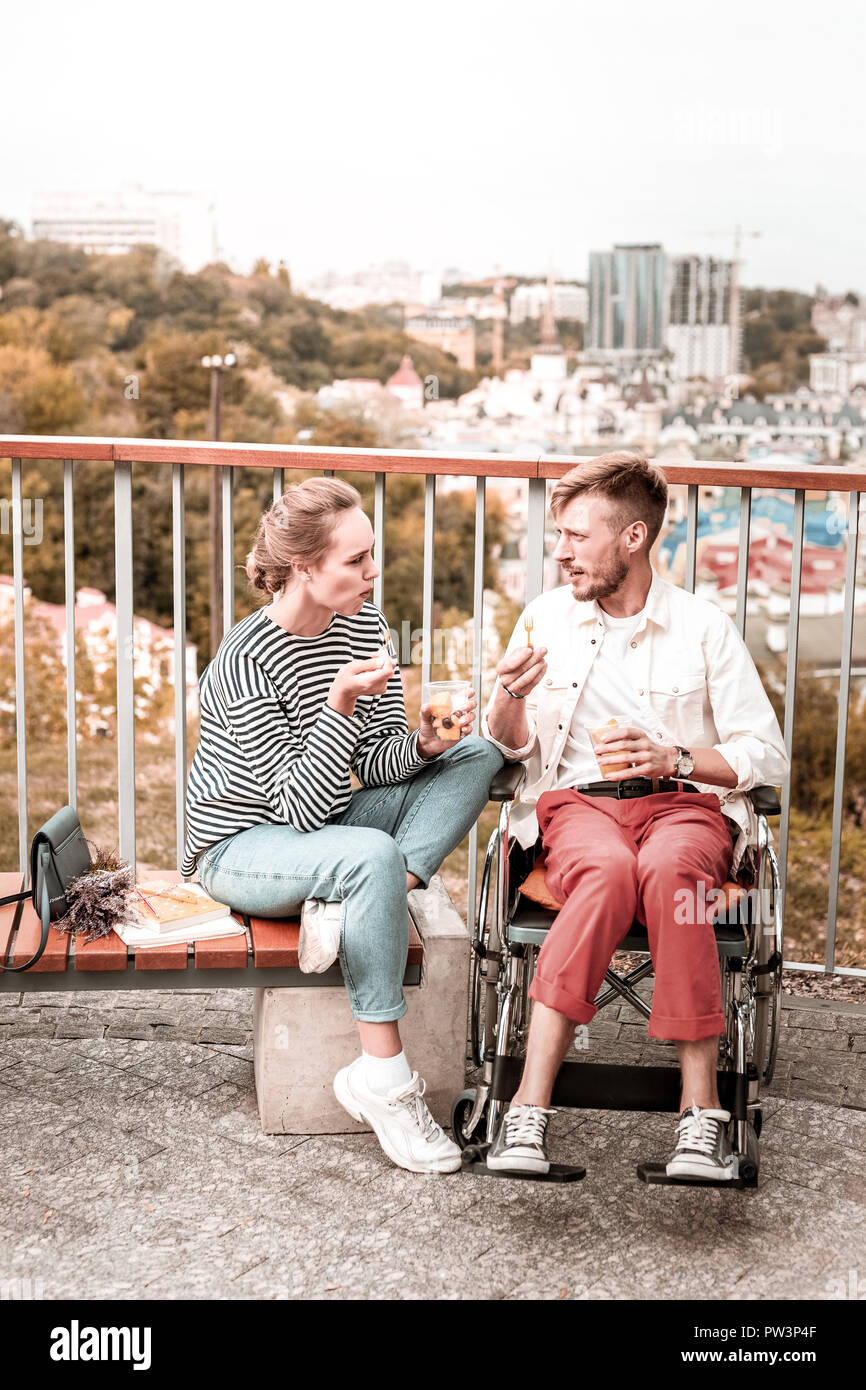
{"points": [[686, 1029], [383, 1016], [559, 999]]}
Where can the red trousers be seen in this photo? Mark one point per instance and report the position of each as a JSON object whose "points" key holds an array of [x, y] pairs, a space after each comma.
{"points": [[609, 861]]}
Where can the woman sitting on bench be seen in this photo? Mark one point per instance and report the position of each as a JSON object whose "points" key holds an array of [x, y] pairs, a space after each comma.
{"points": [[300, 692]]}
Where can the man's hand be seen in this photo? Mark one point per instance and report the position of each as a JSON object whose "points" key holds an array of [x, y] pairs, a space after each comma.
{"points": [[521, 670], [356, 678], [648, 759]]}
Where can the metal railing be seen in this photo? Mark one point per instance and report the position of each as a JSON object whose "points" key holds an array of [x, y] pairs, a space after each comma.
{"points": [[537, 471]]}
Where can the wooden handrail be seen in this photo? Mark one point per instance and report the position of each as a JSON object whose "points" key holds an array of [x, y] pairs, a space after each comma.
{"points": [[810, 477]]}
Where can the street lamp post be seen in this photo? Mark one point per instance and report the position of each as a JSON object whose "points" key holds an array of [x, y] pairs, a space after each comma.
{"points": [[216, 365]]}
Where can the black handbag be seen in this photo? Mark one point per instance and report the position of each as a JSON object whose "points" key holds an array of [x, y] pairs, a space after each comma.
{"points": [[58, 854]]}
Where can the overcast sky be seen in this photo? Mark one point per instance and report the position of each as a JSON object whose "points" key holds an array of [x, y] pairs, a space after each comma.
{"points": [[472, 134]]}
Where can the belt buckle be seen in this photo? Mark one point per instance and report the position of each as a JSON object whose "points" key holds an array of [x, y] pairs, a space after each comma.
{"points": [[629, 787]]}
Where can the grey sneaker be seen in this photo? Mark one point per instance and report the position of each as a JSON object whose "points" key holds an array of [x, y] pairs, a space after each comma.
{"points": [[520, 1145], [703, 1148]]}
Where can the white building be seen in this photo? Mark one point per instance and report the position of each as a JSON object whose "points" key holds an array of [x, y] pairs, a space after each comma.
{"points": [[407, 385], [182, 224], [700, 317], [836, 372], [394, 282], [569, 302], [841, 321]]}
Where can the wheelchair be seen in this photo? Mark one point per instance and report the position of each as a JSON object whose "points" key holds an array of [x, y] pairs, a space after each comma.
{"points": [[510, 929]]}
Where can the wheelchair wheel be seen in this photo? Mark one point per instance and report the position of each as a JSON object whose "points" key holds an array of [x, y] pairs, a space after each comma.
{"points": [[767, 987], [484, 965], [461, 1109]]}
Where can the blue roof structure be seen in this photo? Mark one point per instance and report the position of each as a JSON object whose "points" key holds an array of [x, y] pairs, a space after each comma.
{"points": [[777, 508]]}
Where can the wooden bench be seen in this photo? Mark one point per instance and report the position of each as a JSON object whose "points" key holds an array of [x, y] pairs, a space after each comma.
{"points": [[293, 1078], [264, 953]]}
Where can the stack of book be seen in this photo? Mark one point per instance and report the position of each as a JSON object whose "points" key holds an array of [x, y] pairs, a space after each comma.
{"points": [[158, 913]]}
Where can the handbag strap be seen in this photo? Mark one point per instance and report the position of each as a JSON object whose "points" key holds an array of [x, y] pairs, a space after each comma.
{"points": [[45, 913]]}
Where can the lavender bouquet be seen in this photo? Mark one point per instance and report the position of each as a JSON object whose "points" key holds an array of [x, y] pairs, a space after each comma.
{"points": [[96, 900]]}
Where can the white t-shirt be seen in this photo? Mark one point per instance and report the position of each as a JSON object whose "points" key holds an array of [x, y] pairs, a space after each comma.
{"points": [[608, 692]]}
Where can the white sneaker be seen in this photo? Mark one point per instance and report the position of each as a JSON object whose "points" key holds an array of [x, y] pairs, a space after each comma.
{"points": [[402, 1123], [319, 941]]}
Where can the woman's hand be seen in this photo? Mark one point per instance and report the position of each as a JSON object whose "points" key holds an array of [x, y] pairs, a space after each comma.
{"points": [[429, 742], [648, 759], [357, 678]]}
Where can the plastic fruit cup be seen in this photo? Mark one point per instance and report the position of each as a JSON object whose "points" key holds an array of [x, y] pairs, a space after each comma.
{"points": [[597, 734], [447, 701]]}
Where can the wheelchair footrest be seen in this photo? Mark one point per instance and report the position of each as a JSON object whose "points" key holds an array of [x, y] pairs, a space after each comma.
{"points": [[474, 1156], [655, 1173]]}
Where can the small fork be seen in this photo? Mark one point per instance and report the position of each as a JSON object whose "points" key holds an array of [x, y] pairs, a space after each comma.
{"points": [[528, 624]]}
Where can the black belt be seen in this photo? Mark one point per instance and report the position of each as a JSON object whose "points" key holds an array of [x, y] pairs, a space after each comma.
{"points": [[628, 787]]}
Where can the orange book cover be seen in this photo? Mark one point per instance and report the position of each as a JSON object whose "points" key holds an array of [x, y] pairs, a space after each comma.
{"points": [[162, 905]]}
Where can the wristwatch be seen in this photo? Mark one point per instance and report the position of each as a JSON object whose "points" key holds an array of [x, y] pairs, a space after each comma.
{"points": [[685, 764]]}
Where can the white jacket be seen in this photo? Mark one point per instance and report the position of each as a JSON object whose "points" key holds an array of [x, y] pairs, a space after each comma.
{"points": [[691, 669]]}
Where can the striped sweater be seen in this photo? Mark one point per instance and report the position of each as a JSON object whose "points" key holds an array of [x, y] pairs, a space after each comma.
{"points": [[271, 751]]}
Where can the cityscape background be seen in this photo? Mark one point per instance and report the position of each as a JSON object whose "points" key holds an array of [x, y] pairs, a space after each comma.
{"points": [[464, 231]]}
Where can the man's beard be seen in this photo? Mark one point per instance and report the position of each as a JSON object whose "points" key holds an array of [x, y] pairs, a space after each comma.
{"points": [[605, 583]]}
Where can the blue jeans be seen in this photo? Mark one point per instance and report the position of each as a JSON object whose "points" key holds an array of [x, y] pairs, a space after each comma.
{"points": [[361, 859]]}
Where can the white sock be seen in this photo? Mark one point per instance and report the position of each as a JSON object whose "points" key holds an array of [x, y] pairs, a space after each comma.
{"points": [[383, 1073]]}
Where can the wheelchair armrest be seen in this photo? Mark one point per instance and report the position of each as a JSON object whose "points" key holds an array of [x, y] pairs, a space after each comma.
{"points": [[506, 782], [765, 801]]}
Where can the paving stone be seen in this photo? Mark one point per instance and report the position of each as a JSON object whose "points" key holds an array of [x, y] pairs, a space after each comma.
{"points": [[245, 1052], [142, 1031], [811, 1019], [78, 1028], [836, 1125], [161, 1185], [215, 1033], [817, 1150], [793, 1042], [176, 1032], [29, 1028], [39, 1222], [13, 1013]]}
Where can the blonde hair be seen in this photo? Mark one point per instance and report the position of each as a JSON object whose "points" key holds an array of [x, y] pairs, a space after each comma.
{"points": [[298, 526], [635, 488]]}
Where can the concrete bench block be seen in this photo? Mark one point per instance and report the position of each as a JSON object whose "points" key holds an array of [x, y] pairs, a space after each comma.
{"points": [[302, 1037]]}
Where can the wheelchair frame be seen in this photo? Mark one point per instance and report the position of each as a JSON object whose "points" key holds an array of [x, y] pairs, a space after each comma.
{"points": [[508, 935]]}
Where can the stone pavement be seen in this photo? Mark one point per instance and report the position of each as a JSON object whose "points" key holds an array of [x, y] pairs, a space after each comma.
{"points": [[134, 1167]]}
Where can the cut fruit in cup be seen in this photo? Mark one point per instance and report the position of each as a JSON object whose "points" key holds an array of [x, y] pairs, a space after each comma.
{"points": [[447, 701]]}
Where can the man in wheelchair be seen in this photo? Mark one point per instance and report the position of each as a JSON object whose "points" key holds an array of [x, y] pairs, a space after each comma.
{"points": [[691, 730]]}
